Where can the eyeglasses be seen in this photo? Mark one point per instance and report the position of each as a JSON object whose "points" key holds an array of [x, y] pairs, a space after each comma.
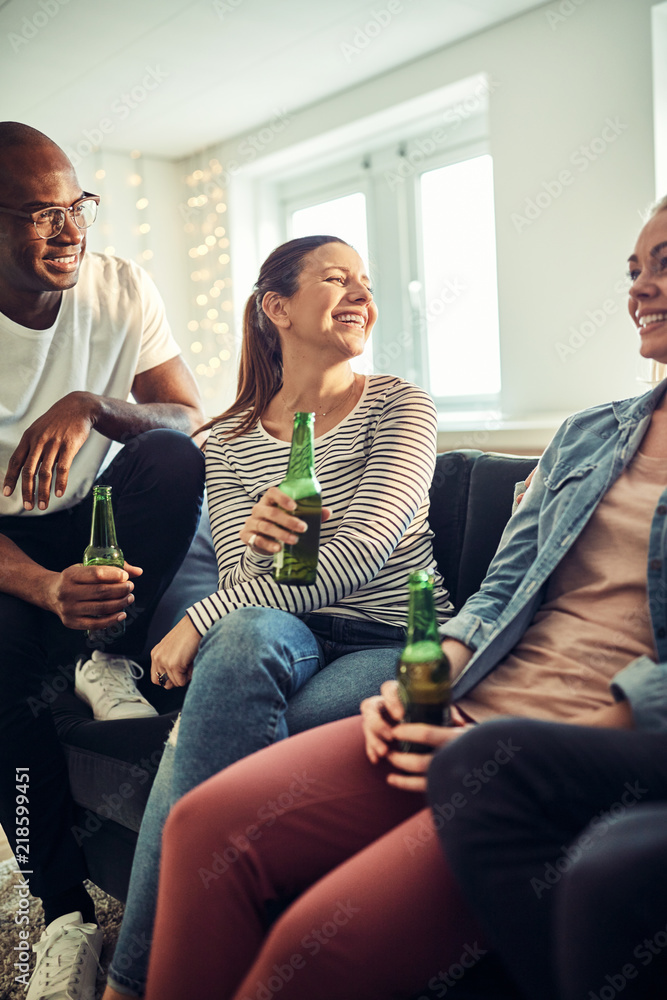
{"points": [[49, 222]]}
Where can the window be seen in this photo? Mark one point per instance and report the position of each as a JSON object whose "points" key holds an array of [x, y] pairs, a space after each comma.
{"points": [[420, 210], [344, 217], [460, 308]]}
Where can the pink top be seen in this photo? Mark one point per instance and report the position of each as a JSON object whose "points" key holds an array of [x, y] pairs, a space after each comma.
{"points": [[595, 617]]}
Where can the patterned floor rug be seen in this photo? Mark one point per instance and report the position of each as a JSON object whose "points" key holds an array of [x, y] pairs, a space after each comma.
{"points": [[15, 915]]}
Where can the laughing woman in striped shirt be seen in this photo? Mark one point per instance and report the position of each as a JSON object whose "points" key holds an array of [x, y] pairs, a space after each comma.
{"points": [[264, 661]]}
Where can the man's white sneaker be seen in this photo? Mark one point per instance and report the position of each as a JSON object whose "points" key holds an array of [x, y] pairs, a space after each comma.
{"points": [[68, 955], [106, 683]]}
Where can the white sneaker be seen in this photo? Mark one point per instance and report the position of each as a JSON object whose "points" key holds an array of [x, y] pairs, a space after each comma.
{"points": [[68, 955], [106, 683]]}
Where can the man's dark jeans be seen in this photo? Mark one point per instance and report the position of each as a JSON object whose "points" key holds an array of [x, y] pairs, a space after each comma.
{"points": [[157, 481], [558, 837]]}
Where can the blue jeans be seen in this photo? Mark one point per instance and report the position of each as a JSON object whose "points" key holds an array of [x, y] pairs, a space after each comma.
{"points": [[259, 676]]}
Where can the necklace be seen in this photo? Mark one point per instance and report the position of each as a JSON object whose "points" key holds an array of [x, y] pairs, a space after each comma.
{"points": [[332, 408]]}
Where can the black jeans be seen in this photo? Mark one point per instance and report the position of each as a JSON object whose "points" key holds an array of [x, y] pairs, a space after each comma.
{"points": [[558, 836], [157, 481]]}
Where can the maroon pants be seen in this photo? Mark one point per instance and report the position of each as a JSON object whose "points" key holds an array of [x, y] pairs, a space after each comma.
{"points": [[376, 911]]}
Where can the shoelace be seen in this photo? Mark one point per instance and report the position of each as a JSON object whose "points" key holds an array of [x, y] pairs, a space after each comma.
{"points": [[116, 683], [62, 970]]}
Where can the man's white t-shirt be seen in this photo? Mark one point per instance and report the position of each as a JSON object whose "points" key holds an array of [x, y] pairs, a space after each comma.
{"points": [[110, 327]]}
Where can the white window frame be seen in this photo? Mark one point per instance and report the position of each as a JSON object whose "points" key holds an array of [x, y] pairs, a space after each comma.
{"points": [[394, 239]]}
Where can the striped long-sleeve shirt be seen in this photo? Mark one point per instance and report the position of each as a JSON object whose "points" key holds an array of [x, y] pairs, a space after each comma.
{"points": [[375, 469]]}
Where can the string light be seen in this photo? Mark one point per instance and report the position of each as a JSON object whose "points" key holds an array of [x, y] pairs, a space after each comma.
{"points": [[204, 201]]}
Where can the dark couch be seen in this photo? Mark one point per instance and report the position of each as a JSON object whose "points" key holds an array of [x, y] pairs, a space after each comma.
{"points": [[471, 501]]}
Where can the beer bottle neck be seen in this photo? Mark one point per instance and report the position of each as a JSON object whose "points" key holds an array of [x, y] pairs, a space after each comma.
{"points": [[301, 463], [422, 620], [103, 529]]}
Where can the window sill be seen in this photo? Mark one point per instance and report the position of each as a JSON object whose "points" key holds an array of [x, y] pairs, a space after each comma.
{"points": [[489, 431]]}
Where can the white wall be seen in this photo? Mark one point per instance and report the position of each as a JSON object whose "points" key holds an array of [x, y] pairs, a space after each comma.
{"points": [[660, 92], [561, 78], [160, 251]]}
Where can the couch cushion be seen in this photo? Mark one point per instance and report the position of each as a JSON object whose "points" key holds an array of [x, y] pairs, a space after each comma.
{"points": [[449, 508], [490, 497]]}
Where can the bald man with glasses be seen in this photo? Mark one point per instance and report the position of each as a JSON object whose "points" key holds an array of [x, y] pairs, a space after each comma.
{"points": [[79, 333]]}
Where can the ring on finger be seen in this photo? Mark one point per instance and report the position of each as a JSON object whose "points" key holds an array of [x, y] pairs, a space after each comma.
{"points": [[252, 540], [162, 679]]}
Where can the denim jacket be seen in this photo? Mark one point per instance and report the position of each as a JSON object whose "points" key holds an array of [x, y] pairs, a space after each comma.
{"points": [[586, 456]]}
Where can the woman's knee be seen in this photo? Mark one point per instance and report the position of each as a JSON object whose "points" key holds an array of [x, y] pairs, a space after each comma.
{"points": [[250, 638]]}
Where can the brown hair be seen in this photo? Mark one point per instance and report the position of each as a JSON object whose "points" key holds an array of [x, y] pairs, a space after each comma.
{"points": [[261, 367]]}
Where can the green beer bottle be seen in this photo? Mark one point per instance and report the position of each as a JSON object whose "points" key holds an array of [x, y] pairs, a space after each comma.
{"points": [[423, 672], [103, 551], [296, 565]]}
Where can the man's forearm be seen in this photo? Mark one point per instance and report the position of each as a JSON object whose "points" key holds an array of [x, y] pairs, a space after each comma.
{"points": [[121, 421], [22, 577]]}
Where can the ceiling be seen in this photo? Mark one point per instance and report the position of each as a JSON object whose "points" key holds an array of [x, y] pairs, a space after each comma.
{"points": [[170, 77]]}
